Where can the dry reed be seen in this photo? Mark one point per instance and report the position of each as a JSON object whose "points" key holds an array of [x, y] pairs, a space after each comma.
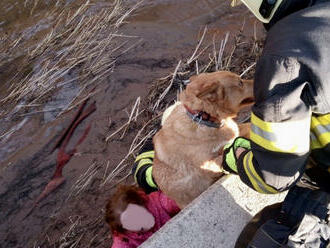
{"points": [[80, 49]]}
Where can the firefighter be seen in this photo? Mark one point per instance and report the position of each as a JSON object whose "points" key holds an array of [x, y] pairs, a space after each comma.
{"points": [[290, 119], [289, 146]]}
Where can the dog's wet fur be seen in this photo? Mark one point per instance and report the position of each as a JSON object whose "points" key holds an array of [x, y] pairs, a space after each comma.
{"points": [[188, 154]]}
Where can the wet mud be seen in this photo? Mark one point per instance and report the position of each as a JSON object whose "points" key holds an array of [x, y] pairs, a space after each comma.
{"points": [[72, 216]]}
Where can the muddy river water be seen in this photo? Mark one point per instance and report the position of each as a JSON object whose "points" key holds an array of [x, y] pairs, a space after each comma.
{"points": [[163, 33]]}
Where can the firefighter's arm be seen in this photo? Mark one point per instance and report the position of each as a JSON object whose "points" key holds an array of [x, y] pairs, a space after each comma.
{"points": [[273, 160], [277, 152]]}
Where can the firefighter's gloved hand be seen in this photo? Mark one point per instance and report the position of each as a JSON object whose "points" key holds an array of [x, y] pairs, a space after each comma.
{"points": [[143, 161], [229, 162], [142, 168]]}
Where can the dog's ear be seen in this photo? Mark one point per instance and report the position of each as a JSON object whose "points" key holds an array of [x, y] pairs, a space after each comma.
{"points": [[210, 91]]}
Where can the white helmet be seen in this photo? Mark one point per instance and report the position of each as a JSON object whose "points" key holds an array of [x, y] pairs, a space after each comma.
{"points": [[262, 9]]}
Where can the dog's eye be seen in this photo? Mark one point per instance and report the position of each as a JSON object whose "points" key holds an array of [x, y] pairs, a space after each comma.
{"points": [[240, 84]]}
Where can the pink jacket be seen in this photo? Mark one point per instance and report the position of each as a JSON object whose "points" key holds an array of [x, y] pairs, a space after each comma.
{"points": [[161, 207]]}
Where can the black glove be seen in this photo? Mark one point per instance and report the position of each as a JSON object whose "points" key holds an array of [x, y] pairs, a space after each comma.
{"points": [[142, 168]]}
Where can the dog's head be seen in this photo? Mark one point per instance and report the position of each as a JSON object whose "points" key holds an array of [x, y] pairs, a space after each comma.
{"points": [[221, 94]]}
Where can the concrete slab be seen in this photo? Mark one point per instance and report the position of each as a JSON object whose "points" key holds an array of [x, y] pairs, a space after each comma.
{"points": [[215, 218]]}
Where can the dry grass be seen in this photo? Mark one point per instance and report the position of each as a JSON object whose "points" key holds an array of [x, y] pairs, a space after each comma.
{"points": [[16, 44], [168, 88], [84, 180], [75, 232], [136, 144], [80, 49], [135, 112], [79, 230], [71, 237]]}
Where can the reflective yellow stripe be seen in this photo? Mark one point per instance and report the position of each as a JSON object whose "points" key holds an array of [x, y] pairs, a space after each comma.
{"points": [[260, 181], [149, 178], [320, 120], [324, 139], [315, 144], [320, 131], [324, 119], [255, 179], [254, 183], [141, 163], [149, 154], [289, 136], [262, 142], [260, 123]]}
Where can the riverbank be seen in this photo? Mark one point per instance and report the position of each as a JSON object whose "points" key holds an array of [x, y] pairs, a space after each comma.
{"points": [[160, 35]]}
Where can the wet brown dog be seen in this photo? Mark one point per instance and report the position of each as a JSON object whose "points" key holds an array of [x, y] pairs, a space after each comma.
{"points": [[189, 145]]}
